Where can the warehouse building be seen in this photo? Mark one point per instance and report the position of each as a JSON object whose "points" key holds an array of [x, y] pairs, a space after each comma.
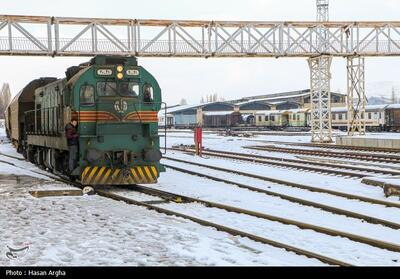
{"points": [[242, 111]]}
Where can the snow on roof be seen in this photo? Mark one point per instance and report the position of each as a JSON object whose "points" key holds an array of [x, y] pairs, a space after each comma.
{"points": [[161, 113], [183, 107], [393, 106], [252, 101], [217, 112]]}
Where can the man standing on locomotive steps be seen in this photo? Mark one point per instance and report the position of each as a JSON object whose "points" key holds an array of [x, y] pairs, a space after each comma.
{"points": [[72, 136]]}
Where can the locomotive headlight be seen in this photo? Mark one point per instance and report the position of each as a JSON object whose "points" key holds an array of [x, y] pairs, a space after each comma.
{"points": [[120, 68], [120, 75]]}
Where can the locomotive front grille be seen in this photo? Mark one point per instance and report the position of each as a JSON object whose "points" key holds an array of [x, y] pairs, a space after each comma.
{"points": [[119, 176]]}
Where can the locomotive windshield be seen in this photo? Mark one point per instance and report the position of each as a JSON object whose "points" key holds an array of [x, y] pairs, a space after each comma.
{"points": [[126, 89]]}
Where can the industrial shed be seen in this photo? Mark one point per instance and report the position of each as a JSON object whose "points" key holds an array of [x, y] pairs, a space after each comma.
{"points": [[222, 119], [253, 106], [287, 105]]}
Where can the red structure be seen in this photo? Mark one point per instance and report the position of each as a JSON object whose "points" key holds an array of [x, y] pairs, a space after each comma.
{"points": [[198, 139]]}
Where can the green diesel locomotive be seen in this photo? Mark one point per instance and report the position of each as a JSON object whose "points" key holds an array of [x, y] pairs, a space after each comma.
{"points": [[116, 103]]}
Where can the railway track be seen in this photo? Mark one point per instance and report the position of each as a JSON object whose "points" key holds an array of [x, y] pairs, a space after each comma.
{"points": [[291, 198], [170, 197], [382, 158], [333, 146], [289, 184], [304, 226], [328, 168]]}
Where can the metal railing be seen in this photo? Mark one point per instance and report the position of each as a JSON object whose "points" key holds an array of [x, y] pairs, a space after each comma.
{"points": [[166, 38]]}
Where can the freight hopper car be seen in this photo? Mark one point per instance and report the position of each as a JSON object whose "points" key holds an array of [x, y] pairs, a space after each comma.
{"points": [[116, 103]]}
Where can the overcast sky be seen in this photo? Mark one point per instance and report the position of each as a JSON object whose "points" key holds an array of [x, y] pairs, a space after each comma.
{"points": [[193, 78]]}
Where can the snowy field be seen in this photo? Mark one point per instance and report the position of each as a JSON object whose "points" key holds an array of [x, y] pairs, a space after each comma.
{"points": [[92, 230]]}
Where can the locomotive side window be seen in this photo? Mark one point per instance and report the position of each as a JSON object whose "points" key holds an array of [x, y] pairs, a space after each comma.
{"points": [[87, 95], [147, 93], [105, 88]]}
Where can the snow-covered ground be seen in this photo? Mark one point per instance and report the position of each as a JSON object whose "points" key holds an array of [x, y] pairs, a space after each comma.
{"points": [[92, 230]]}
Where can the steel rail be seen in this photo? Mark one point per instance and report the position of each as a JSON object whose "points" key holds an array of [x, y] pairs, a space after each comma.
{"points": [[295, 164], [295, 185], [286, 163], [345, 147], [358, 156], [235, 232], [331, 209], [357, 238], [226, 229]]}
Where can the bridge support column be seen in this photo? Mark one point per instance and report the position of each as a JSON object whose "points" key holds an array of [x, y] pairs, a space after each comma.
{"points": [[320, 76], [356, 89]]}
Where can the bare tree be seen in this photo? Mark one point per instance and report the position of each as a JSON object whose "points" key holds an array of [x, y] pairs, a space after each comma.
{"points": [[183, 101], [394, 99], [5, 98]]}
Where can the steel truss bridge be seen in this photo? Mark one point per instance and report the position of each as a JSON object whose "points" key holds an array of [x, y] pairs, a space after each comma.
{"points": [[61, 36]]}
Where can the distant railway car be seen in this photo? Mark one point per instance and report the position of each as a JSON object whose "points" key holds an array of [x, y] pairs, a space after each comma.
{"points": [[374, 118], [298, 118], [213, 119], [269, 118], [116, 102], [165, 121], [392, 118], [282, 118]]}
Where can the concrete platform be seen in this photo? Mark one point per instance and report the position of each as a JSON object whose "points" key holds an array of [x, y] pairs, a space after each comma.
{"points": [[369, 141]]}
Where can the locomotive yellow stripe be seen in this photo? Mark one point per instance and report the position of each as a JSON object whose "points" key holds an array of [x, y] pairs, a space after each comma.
{"points": [[141, 174], [114, 177], [134, 176], [98, 176], [91, 175], [139, 178], [148, 174], [105, 177], [154, 171], [84, 173]]}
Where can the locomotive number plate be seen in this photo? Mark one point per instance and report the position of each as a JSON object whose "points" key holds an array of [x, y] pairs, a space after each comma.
{"points": [[132, 72], [104, 72]]}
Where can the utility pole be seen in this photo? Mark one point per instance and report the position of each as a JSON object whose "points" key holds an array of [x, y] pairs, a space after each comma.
{"points": [[320, 76]]}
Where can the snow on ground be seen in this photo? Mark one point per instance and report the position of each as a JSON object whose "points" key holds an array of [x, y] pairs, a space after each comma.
{"points": [[91, 230], [222, 193], [324, 181], [204, 190], [380, 136], [335, 247]]}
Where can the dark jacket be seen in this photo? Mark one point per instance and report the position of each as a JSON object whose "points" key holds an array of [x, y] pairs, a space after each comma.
{"points": [[71, 134]]}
